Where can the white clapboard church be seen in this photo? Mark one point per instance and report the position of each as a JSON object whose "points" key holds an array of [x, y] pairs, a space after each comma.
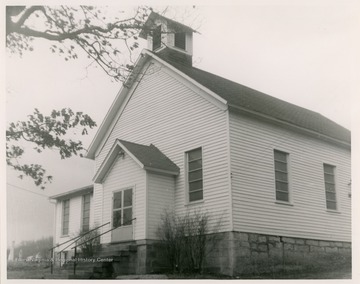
{"points": [[177, 137]]}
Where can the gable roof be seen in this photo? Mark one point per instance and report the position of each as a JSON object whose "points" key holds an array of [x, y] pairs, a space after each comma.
{"points": [[150, 22], [242, 97], [229, 95], [147, 157], [150, 157], [73, 192]]}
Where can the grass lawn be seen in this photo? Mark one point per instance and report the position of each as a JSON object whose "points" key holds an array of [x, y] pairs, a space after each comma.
{"points": [[33, 270], [27, 270], [341, 273]]}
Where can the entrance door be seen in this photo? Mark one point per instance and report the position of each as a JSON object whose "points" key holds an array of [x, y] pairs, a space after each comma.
{"points": [[122, 215]]}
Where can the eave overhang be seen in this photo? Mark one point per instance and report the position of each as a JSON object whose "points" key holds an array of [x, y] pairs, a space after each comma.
{"points": [[115, 106], [73, 193], [300, 129]]}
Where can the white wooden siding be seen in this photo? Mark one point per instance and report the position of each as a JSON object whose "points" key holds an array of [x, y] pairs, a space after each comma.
{"points": [[160, 197], [91, 221], [253, 182], [125, 173], [75, 219], [97, 207], [171, 115], [58, 224]]}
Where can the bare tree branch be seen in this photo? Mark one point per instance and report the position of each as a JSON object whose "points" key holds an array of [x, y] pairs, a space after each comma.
{"points": [[82, 26]]}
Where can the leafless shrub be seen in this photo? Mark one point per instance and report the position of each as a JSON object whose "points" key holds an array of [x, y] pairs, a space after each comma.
{"points": [[89, 243], [186, 239]]}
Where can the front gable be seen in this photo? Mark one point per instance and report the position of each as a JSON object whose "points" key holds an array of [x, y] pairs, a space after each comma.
{"points": [[146, 157], [176, 117], [147, 65]]}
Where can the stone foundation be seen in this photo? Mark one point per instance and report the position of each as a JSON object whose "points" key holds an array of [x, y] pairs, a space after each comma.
{"points": [[150, 257], [236, 253], [239, 253]]}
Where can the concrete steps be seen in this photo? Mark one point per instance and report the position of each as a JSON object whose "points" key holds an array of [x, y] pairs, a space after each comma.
{"points": [[90, 268], [111, 261], [116, 249]]}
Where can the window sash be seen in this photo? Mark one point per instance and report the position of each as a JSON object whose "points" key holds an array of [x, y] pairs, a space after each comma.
{"points": [[330, 187], [127, 198], [196, 195], [196, 185], [117, 202], [282, 195], [281, 176], [195, 165], [156, 37], [180, 40], [86, 213], [122, 208], [195, 175], [66, 217], [117, 218]]}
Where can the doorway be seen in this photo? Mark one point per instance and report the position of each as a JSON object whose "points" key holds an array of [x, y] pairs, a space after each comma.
{"points": [[122, 215]]}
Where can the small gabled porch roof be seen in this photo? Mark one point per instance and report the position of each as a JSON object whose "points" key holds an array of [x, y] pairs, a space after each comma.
{"points": [[73, 193], [149, 158]]}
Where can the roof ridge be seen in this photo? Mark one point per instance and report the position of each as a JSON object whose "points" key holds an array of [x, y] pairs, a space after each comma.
{"points": [[262, 93], [241, 96]]}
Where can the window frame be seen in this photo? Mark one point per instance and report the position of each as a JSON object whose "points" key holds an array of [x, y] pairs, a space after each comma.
{"points": [[187, 174], [83, 212], [182, 40], [65, 218], [122, 208], [333, 174], [156, 35], [287, 172]]}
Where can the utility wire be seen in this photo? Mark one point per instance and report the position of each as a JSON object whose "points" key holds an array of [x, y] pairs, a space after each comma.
{"points": [[18, 187]]}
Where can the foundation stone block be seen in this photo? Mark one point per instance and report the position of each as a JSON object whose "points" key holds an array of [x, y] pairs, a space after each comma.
{"points": [[324, 244], [262, 239], [316, 249], [288, 247], [243, 237], [274, 239], [245, 244], [345, 251], [244, 252], [312, 242], [331, 249], [262, 248], [289, 240], [301, 248], [253, 237]]}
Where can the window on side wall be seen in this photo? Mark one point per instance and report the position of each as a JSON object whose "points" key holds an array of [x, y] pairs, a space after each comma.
{"points": [[86, 213], [281, 175], [194, 174], [156, 37], [65, 217], [330, 192], [180, 40]]}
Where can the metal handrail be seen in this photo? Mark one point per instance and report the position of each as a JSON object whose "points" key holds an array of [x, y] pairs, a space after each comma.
{"points": [[79, 236], [76, 239], [75, 262], [128, 222]]}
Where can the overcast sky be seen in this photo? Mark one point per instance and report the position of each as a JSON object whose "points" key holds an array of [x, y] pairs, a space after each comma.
{"points": [[303, 53]]}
